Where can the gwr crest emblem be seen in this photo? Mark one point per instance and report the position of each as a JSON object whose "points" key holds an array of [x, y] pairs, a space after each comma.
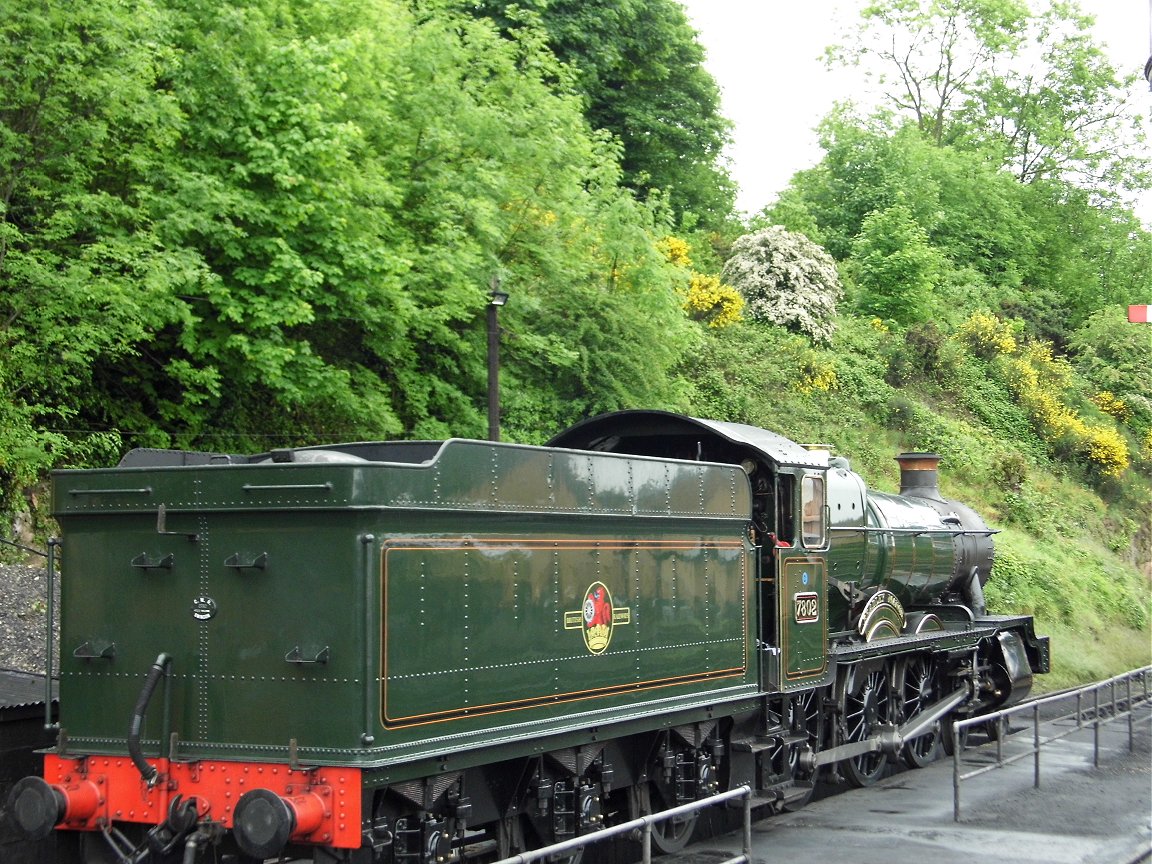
{"points": [[597, 617]]}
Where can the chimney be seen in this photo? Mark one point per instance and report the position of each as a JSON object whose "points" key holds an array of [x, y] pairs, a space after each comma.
{"points": [[919, 477]]}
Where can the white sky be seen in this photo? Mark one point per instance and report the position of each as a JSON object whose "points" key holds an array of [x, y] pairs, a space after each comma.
{"points": [[766, 57]]}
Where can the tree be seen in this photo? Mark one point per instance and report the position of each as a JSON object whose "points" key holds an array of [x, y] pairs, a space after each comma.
{"points": [[1034, 90], [896, 267], [640, 68], [1046, 252], [1067, 116], [82, 276], [787, 280], [931, 53], [229, 226]]}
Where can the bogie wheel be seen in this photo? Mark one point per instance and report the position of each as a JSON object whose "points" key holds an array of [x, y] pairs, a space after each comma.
{"points": [[921, 689], [865, 705], [804, 716], [668, 835]]}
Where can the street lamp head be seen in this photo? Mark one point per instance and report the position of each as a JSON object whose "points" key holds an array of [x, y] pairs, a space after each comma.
{"points": [[497, 298]]}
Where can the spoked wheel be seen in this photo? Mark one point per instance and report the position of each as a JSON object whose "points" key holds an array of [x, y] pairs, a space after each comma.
{"points": [[921, 690], [865, 705], [804, 716], [668, 835]]}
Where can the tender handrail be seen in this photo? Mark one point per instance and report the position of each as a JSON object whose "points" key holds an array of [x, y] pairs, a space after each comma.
{"points": [[1130, 704], [644, 824]]}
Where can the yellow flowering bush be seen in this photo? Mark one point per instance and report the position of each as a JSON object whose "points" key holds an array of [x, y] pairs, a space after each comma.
{"points": [[1112, 404], [817, 375], [988, 336], [707, 299], [1038, 378], [1106, 449], [675, 251], [711, 300]]}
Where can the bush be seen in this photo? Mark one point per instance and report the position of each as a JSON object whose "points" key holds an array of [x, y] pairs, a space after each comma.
{"points": [[786, 280]]}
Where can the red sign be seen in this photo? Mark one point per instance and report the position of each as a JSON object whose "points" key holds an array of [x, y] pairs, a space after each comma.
{"points": [[1139, 314]]}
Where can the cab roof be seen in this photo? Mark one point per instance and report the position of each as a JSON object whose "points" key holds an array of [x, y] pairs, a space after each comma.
{"points": [[665, 434]]}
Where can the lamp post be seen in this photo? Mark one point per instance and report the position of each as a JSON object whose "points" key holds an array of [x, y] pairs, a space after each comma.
{"points": [[496, 299]]}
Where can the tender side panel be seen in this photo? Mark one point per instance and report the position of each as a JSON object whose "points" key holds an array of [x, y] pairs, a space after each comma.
{"points": [[535, 625], [265, 585]]}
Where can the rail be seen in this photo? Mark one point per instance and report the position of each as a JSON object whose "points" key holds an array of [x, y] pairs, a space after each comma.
{"points": [[1097, 714], [644, 825]]}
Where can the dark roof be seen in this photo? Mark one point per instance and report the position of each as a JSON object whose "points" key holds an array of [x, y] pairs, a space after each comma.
{"points": [[611, 432], [20, 689]]}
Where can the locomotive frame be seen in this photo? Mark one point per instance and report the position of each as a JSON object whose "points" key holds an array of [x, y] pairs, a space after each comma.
{"points": [[471, 648]]}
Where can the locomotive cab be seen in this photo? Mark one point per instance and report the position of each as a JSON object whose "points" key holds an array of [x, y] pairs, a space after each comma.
{"points": [[789, 524]]}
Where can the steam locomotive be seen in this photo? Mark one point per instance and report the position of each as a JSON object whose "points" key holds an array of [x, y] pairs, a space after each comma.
{"points": [[419, 652]]}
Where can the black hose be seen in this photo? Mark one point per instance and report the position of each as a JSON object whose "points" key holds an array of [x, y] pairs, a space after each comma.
{"points": [[192, 847], [159, 670]]}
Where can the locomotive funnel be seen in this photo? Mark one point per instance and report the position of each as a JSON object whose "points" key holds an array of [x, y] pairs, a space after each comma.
{"points": [[919, 477]]}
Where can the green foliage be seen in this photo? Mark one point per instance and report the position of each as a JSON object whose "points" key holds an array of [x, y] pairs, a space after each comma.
{"points": [[227, 226], [926, 354], [641, 71], [1115, 356], [1046, 253], [1031, 90], [1061, 582], [81, 274], [895, 266]]}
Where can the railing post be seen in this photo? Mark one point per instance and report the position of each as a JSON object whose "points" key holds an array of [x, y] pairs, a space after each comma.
{"points": [[955, 772], [748, 825], [1036, 744], [646, 843], [1131, 715], [1000, 740], [1096, 729]]}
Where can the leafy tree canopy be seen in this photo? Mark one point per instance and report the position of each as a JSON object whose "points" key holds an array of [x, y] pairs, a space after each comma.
{"points": [[639, 66], [1048, 252], [1031, 89], [235, 225]]}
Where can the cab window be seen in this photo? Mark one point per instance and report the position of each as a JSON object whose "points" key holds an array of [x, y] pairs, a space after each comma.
{"points": [[785, 509], [812, 501]]}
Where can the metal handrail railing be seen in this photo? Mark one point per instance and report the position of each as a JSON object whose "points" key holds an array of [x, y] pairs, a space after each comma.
{"points": [[1114, 709], [644, 825]]}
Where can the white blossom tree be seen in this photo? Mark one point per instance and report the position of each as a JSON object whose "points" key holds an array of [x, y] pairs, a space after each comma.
{"points": [[787, 280]]}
